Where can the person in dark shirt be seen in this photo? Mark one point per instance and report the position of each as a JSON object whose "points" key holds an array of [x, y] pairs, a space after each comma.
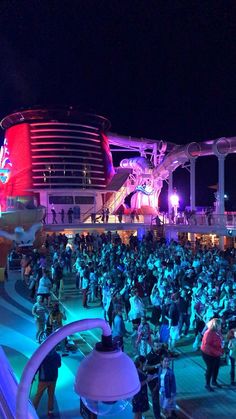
{"points": [[184, 316], [70, 215], [140, 402], [153, 360], [54, 216], [107, 213], [62, 213], [103, 215], [229, 316], [48, 374]]}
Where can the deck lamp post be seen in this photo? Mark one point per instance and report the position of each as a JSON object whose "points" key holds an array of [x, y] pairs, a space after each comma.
{"points": [[105, 379], [174, 199]]}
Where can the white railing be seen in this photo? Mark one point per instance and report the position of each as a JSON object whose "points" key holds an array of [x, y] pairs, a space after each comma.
{"points": [[87, 218], [227, 220]]}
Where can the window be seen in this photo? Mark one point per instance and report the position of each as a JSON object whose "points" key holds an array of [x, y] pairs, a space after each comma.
{"points": [[61, 200], [84, 200]]}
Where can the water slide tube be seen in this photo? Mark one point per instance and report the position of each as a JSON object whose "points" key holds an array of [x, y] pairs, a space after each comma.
{"points": [[181, 154]]}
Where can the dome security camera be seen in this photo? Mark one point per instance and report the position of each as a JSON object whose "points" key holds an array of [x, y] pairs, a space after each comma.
{"points": [[106, 379]]}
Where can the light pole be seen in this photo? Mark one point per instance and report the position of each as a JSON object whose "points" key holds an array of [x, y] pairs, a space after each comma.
{"points": [[106, 377], [174, 199]]}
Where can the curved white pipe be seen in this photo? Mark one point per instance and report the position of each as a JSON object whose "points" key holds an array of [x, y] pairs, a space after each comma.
{"points": [[136, 162], [128, 141], [39, 355], [178, 155], [182, 154]]}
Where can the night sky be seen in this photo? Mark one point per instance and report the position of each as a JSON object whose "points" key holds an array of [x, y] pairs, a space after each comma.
{"points": [[157, 69]]}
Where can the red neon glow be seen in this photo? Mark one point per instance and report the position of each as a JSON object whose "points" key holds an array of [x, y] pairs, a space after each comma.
{"points": [[108, 162], [18, 140]]}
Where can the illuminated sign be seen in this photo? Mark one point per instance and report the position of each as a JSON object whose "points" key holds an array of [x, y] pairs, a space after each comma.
{"points": [[5, 163]]}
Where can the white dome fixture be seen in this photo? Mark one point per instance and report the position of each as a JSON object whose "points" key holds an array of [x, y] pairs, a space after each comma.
{"points": [[105, 379]]}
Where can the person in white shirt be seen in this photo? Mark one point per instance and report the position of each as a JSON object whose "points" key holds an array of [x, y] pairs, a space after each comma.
{"points": [[40, 313], [106, 298], [44, 287], [137, 309]]}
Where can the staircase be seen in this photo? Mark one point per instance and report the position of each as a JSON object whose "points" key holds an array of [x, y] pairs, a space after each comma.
{"points": [[118, 179]]}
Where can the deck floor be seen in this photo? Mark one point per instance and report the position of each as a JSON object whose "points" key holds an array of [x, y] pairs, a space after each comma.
{"points": [[17, 337]]}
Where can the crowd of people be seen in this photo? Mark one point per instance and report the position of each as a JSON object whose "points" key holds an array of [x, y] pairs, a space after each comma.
{"points": [[165, 291]]}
